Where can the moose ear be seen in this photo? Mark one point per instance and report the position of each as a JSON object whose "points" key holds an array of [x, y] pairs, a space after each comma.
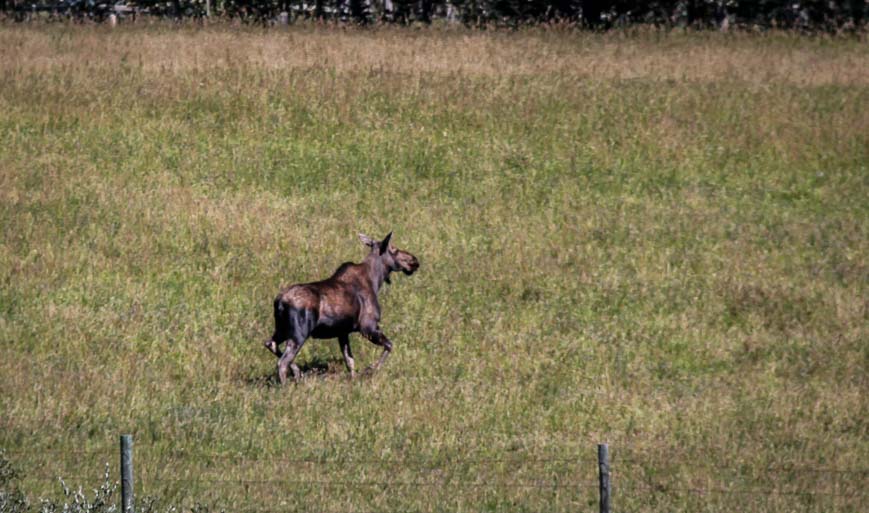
{"points": [[368, 241], [384, 244]]}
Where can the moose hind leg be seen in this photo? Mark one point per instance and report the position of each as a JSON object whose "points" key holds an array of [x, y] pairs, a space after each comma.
{"points": [[284, 320], [344, 343], [273, 345], [286, 361], [302, 323]]}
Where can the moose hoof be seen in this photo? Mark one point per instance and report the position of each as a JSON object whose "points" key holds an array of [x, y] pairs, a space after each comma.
{"points": [[272, 346]]}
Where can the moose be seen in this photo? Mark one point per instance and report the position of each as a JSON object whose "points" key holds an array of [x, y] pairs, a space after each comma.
{"points": [[335, 307]]}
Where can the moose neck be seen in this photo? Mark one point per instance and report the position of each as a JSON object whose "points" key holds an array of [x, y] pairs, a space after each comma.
{"points": [[377, 272]]}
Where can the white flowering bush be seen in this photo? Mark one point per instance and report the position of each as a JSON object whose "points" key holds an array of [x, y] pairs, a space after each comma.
{"points": [[76, 501], [104, 499]]}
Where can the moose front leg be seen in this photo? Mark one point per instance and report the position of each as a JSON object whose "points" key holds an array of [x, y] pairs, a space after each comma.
{"points": [[344, 342], [377, 337]]}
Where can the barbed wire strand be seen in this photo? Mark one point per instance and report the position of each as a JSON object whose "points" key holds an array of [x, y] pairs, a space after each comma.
{"points": [[616, 462], [390, 461], [438, 463], [70, 452], [343, 484], [513, 484], [741, 491], [577, 485]]}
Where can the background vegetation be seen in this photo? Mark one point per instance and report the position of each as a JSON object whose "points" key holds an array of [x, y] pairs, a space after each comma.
{"points": [[807, 15], [657, 240]]}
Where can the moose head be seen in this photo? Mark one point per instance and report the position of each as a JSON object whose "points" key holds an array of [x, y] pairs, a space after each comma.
{"points": [[393, 259]]}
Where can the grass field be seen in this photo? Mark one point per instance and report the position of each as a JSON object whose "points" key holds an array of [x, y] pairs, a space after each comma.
{"points": [[654, 240]]}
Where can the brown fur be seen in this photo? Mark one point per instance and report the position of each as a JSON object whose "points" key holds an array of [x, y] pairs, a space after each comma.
{"points": [[335, 307]]}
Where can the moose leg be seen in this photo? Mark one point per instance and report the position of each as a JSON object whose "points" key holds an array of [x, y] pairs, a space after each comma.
{"points": [[286, 362], [344, 342], [377, 337], [272, 345], [301, 322]]}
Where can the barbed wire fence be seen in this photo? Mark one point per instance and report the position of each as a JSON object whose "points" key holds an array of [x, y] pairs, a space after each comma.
{"points": [[571, 478]]}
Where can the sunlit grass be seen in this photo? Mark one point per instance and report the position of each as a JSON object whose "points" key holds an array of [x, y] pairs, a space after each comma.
{"points": [[653, 240]]}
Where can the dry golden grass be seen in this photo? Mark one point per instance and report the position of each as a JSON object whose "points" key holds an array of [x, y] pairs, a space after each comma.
{"points": [[755, 59]]}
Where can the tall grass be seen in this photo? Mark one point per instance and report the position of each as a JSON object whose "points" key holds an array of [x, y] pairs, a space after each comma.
{"points": [[656, 240]]}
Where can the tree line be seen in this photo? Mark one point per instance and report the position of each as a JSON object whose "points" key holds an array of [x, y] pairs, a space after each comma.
{"points": [[830, 15]]}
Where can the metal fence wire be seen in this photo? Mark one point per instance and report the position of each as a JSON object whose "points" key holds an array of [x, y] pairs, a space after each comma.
{"points": [[571, 478]]}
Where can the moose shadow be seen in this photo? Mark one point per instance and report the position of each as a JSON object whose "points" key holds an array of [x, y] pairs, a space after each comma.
{"points": [[316, 367]]}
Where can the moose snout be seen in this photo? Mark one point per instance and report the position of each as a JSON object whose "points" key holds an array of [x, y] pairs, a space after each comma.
{"points": [[412, 266]]}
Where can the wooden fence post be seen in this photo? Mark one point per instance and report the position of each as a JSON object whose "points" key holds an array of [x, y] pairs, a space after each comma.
{"points": [[127, 473], [603, 465]]}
